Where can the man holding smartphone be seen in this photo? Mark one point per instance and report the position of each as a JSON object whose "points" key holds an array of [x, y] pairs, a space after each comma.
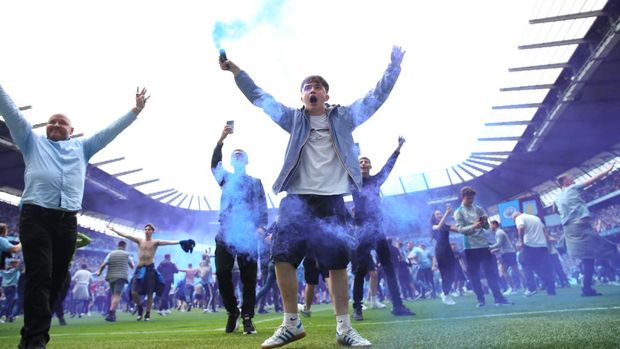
{"points": [[472, 221]]}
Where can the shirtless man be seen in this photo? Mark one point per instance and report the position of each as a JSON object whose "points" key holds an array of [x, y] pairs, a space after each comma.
{"points": [[190, 276], [146, 278]]}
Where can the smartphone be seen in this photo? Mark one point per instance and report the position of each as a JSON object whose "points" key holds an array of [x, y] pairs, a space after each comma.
{"points": [[231, 123]]}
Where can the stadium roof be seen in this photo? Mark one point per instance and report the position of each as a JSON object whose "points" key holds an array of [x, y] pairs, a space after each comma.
{"points": [[557, 106]]}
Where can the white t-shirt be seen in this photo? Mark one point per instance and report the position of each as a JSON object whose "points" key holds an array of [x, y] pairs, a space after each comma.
{"points": [[320, 170], [82, 277], [533, 230]]}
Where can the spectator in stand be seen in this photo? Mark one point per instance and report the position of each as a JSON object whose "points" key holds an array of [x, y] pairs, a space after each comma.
{"points": [[581, 240]]}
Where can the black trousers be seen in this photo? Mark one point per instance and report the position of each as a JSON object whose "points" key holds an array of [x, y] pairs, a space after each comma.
{"points": [[248, 268], [48, 240], [361, 261], [58, 307], [537, 259], [482, 257], [447, 266]]}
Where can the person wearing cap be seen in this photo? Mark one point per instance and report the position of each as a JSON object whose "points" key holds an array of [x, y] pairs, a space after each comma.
{"points": [[472, 221]]}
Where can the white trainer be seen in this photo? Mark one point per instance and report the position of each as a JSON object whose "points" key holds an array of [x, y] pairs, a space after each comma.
{"points": [[283, 336], [447, 299], [351, 338]]}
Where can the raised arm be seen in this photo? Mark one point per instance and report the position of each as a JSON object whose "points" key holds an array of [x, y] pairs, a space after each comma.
{"points": [[385, 171], [279, 113], [125, 235], [442, 221], [599, 176], [362, 109], [102, 138], [167, 242], [82, 240], [20, 128], [216, 159]]}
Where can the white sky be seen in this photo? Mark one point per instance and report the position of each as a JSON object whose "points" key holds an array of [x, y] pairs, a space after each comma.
{"points": [[85, 59]]}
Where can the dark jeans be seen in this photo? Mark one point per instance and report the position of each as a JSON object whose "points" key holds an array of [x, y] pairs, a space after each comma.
{"points": [[447, 266], [361, 258], [268, 284], [536, 259], [224, 261], [10, 294], [59, 308], [48, 242], [482, 257], [165, 302], [558, 270]]}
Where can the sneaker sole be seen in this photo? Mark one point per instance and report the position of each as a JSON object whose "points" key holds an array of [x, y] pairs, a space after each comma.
{"points": [[350, 346], [295, 338]]}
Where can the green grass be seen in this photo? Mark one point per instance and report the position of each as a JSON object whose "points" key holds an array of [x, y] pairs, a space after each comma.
{"points": [[563, 321]]}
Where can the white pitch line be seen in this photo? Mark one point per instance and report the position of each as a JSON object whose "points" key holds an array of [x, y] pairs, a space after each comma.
{"points": [[364, 323]]}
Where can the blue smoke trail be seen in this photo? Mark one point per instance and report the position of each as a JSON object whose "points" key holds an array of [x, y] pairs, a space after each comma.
{"points": [[269, 13]]}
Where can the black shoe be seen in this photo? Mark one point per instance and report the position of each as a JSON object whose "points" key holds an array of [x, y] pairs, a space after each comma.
{"points": [[36, 343], [590, 293], [139, 316], [62, 322], [147, 316], [357, 314], [110, 318], [232, 324], [401, 310], [248, 326]]}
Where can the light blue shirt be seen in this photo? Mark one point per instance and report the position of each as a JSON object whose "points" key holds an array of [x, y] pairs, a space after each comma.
{"points": [[423, 257], [55, 171], [9, 277], [5, 245], [571, 206], [465, 218]]}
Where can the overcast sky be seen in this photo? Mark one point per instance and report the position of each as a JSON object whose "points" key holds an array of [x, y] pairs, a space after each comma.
{"points": [[85, 59]]}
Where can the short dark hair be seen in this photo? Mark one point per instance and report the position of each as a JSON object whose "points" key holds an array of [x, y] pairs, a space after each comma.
{"points": [[315, 78], [467, 191], [167, 256], [83, 266], [495, 222], [562, 179], [149, 225], [3, 228], [363, 157], [122, 243]]}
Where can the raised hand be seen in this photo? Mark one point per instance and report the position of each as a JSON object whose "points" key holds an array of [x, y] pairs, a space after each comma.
{"points": [[397, 54], [141, 99]]}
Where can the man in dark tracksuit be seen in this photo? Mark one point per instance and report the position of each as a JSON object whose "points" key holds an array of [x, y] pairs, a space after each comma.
{"points": [[369, 221], [243, 216]]}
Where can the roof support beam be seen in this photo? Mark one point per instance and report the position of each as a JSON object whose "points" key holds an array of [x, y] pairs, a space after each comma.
{"points": [[458, 174], [502, 139], [143, 183], [483, 163], [485, 153], [540, 67], [554, 44], [166, 195], [568, 17], [97, 164], [528, 88], [517, 106], [466, 171], [126, 172], [160, 192], [206, 202], [174, 198], [508, 123]]}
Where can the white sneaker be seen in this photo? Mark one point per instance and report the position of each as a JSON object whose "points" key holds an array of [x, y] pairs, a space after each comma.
{"points": [[456, 294], [283, 336], [302, 310], [351, 338], [529, 293], [376, 304], [447, 299], [508, 292]]}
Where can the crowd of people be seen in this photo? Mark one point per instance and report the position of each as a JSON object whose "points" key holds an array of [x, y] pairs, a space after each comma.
{"points": [[317, 250]]}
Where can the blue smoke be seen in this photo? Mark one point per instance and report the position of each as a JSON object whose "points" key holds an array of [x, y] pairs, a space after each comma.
{"points": [[269, 13]]}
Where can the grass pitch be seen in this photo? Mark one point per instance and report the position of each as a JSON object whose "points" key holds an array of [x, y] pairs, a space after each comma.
{"points": [[564, 321]]}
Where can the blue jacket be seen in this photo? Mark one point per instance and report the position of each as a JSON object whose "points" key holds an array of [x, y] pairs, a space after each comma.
{"points": [[343, 120]]}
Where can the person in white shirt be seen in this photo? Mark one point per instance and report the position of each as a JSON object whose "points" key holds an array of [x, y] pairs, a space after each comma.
{"points": [[533, 239], [80, 292]]}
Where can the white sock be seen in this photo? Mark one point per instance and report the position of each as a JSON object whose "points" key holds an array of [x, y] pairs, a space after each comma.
{"points": [[343, 323], [291, 319]]}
